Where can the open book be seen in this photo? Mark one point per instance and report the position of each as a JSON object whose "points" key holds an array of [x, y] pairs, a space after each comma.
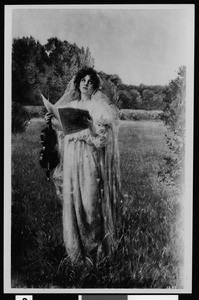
{"points": [[71, 119]]}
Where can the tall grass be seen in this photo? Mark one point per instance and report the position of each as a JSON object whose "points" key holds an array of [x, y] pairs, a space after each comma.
{"points": [[147, 254]]}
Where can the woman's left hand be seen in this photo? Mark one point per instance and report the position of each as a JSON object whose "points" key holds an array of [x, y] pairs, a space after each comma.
{"points": [[91, 126]]}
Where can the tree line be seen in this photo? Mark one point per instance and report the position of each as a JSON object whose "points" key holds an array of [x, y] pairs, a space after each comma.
{"points": [[48, 68]]}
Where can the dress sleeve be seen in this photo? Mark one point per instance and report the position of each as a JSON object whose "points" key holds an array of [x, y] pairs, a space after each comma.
{"points": [[105, 121]]}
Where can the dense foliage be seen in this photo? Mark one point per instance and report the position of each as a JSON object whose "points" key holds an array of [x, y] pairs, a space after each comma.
{"points": [[174, 118], [174, 111]]}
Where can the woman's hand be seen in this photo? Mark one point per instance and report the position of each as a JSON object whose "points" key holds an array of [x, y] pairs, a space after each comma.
{"points": [[90, 124], [48, 117], [101, 132], [54, 121]]}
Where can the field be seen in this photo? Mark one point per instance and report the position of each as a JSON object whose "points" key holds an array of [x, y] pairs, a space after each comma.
{"points": [[125, 114], [148, 253]]}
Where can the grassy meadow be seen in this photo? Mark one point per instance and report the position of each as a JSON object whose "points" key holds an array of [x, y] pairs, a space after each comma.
{"points": [[148, 253]]}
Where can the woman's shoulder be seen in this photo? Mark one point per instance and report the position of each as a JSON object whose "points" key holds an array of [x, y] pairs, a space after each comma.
{"points": [[103, 107], [100, 97]]}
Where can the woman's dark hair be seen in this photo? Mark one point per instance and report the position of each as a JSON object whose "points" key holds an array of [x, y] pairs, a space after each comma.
{"points": [[87, 71]]}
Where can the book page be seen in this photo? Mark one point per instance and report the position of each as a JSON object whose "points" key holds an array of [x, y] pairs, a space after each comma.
{"points": [[73, 120], [51, 108]]}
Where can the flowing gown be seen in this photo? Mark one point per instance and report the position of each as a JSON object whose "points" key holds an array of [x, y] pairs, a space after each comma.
{"points": [[88, 182]]}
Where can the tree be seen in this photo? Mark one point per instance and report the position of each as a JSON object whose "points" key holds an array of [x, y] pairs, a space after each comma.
{"points": [[148, 98], [65, 60], [174, 111], [125, 99], [109, 86], [28, 63], [136, 99]]}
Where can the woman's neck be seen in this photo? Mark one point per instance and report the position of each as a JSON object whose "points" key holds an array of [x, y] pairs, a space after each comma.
{"points": [[85, 97]]}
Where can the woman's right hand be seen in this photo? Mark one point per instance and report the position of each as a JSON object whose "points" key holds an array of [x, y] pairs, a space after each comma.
{"points": [[48, 117], [55, 123]]}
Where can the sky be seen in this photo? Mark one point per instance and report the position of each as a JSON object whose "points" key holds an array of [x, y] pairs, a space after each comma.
{"points": [[140, 44]]}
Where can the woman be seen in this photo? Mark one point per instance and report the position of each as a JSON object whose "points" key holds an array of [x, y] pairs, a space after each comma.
{"points": [[87, 178]]}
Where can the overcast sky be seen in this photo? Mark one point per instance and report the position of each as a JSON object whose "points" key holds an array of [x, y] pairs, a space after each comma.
{"points": [[140, 45]]}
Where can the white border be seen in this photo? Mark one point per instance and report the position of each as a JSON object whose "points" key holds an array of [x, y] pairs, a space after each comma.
{"points": [[188, 196], [145, 297], [7, 157], [102, 6], [152, 297]]}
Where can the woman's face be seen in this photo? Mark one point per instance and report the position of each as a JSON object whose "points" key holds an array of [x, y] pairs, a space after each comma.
{"points": [[86, 86]]}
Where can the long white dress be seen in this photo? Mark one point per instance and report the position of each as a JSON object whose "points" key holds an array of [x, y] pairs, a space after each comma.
{"points": [[88, 182]]}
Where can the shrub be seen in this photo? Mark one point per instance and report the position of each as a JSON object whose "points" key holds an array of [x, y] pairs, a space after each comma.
{"points": [[138, 115], [20, 117], [174, 118]]}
